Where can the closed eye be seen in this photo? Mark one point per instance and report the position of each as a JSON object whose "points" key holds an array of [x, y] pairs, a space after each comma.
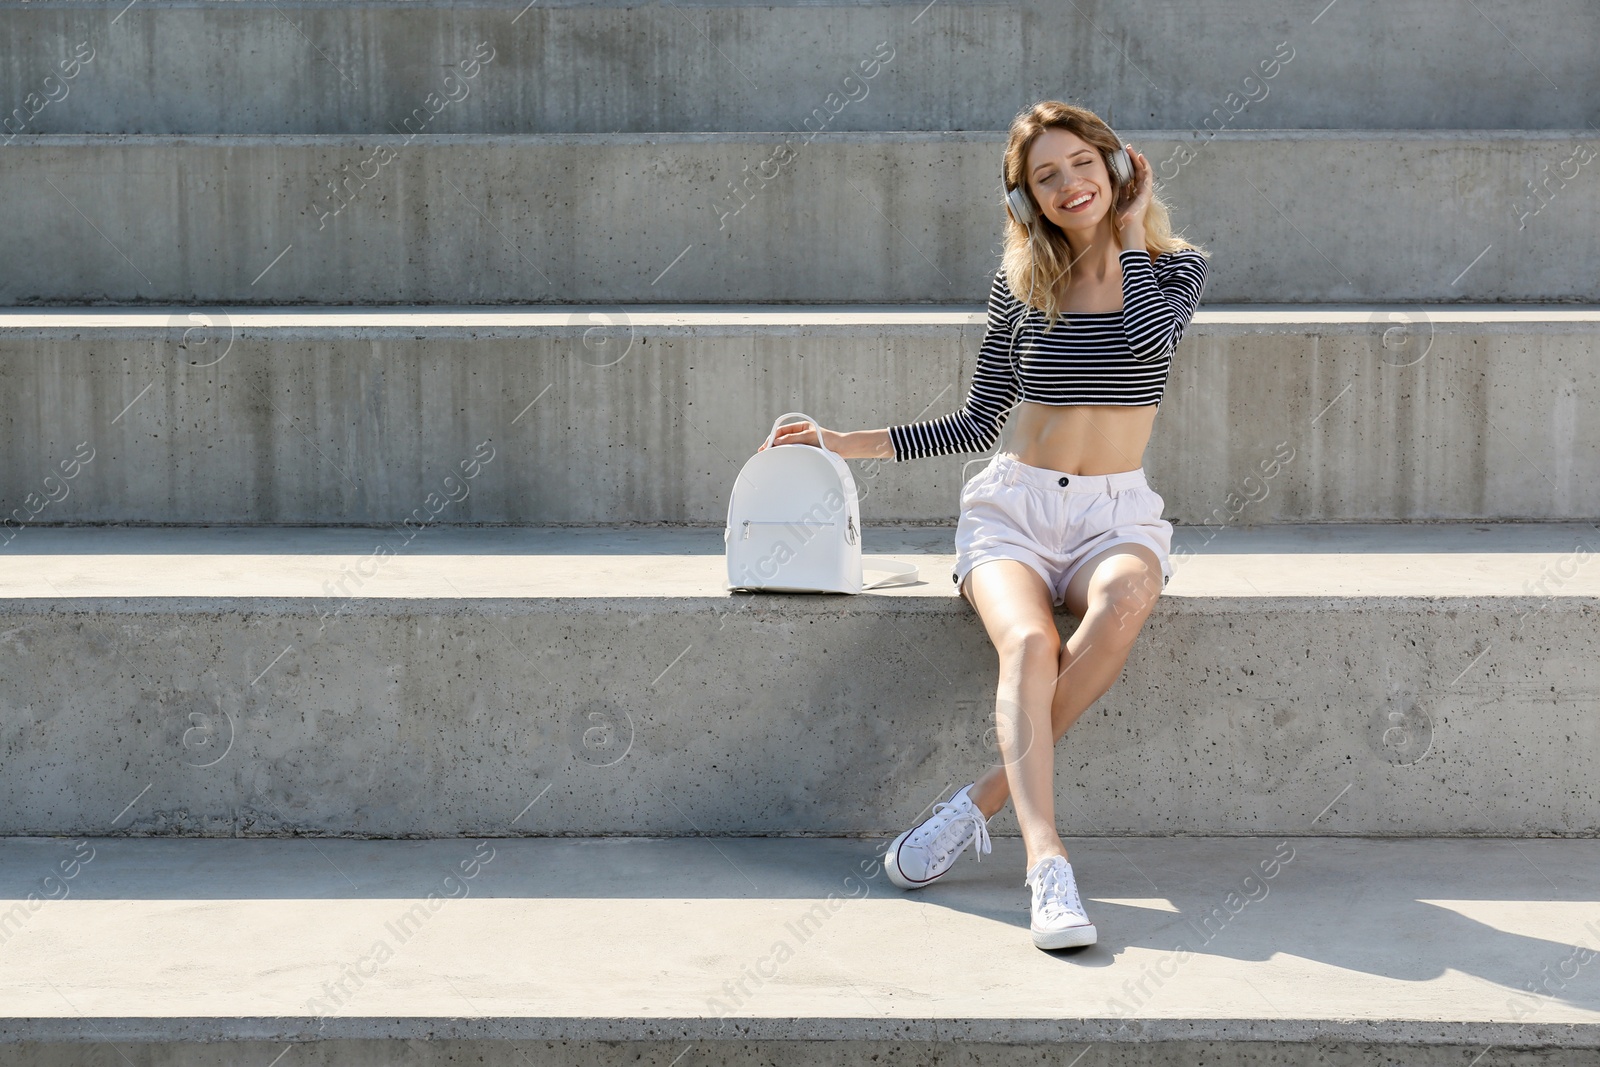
{"points": [[1046, 172]]}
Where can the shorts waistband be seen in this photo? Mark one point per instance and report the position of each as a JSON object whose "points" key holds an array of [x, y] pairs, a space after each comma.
{"points": [[1015, 472]]}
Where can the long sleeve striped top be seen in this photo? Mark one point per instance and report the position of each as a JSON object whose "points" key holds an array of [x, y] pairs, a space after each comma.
{"points": [[1111, 357]]}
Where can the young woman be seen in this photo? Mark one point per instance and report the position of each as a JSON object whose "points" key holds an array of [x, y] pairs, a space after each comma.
{"points": [[1092, 297]]}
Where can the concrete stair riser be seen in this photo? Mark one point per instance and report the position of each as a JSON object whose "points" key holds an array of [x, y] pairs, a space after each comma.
{"points": [[594, 68], [849, 217], [782, 714], [1380, 415]]}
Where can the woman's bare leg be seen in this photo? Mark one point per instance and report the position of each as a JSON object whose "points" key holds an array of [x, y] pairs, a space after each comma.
{"points": [[1014, 603], [1113, 593]]}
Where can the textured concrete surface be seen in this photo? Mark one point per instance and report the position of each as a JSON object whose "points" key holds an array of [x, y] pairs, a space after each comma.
{"points": [[313, 67], [349, 415], [848, 217], [1393, 700], [668, 1050], [1297, 938]]}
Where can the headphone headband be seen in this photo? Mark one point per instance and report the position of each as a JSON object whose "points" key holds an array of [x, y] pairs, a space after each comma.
{"points": [[1118, 163]]}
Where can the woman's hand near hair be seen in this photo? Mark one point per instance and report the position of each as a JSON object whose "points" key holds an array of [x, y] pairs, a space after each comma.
{"points": [[859, 444], [1130, 218]]}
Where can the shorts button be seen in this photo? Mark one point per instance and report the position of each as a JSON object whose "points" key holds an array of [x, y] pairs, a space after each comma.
{"points": [[1063, 479], [953, 578]]}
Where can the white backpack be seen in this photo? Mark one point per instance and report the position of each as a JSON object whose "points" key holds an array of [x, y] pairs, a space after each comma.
{"points": [[794, 523]]}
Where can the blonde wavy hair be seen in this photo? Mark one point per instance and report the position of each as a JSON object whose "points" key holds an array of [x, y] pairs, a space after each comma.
{"points": [[1036, 260]]}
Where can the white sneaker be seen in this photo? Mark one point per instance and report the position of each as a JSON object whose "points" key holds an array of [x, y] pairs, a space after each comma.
{"points": [[926, 851], [1058, 918]]}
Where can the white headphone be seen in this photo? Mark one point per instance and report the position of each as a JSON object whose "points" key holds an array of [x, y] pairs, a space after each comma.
{"points": [[1118, 163]]}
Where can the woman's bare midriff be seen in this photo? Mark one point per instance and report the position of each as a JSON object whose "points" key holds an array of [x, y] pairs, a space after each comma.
{"points": [[1082, 438]]}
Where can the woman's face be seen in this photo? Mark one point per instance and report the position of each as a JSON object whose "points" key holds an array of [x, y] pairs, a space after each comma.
{"points": [[1062, 170]]}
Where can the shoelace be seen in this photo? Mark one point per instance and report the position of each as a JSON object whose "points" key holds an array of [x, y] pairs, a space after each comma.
{"points": [[959, 823], [1055, 893]]}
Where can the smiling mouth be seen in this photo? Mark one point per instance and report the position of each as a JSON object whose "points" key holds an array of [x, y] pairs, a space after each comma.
{"points": [[1079, 203]]}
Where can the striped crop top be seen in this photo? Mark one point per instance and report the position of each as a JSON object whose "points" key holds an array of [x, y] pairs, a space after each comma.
{"points": [[1105, 357]]}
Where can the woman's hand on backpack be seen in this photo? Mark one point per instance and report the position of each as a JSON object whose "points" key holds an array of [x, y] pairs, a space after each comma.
{"points": [[803, 433], [853, 444]]}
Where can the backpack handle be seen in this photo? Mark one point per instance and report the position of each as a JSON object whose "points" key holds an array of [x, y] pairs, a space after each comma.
{"points": [[779, 422]]}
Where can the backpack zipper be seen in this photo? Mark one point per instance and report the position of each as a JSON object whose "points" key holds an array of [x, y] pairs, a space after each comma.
{"points": [[747, 523]]}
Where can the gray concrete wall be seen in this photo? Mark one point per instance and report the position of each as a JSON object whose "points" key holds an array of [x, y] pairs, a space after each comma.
{"points": [[885, 217], [312, 67], [778, 714], [633, 422]]}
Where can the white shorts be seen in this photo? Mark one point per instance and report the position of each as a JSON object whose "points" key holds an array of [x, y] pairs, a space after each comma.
{"points": [[1054, 521]]}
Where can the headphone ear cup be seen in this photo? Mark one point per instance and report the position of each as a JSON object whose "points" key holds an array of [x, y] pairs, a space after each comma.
{"points": [[1020, 210], [1120, 164]]}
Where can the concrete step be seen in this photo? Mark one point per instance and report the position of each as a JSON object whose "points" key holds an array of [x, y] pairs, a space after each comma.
{"points": [[646, 413], [1285, 950], [356, 67], [848, 217], [1391, 681]]}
